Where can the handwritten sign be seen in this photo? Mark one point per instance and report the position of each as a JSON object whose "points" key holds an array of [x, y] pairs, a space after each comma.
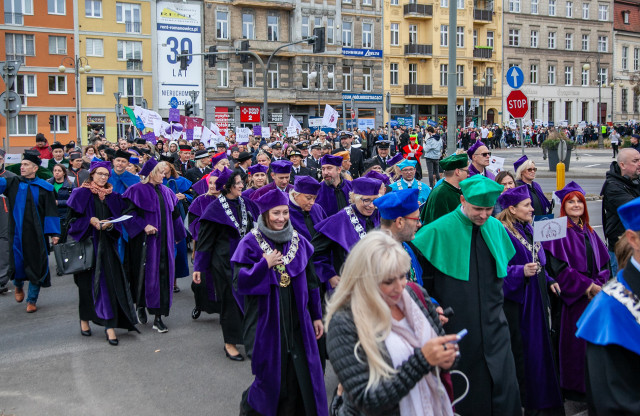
{"points": [[266, 132], [552, 229], [242, 135], [292, 131]]}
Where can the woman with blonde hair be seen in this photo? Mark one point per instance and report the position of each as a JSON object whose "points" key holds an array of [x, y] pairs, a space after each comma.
{"points": [[525, 175], [386, 347]]}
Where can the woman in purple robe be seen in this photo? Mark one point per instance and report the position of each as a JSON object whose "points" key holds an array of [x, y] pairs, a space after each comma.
{"points": [[304, 213], [526, 304], [257, 179], [580, 264], [222, 224], [273, 266], [104, 295], [153, 231], [526, 175]]}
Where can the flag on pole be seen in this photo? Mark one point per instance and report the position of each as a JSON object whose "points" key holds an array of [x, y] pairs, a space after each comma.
{"points": [[330, 117], [294, 123]]}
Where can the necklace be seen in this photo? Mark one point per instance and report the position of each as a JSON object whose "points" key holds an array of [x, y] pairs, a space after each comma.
{"points": [[533, 248], [400, 184], [355, 222], [285, 279], [243, 210]]}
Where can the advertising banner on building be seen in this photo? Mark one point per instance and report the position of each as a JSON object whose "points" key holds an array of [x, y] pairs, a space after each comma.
{"points": [[179, 27], [249, 114]]}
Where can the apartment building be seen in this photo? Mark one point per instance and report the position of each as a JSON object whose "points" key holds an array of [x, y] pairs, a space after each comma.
{"points": [[626, 63]]}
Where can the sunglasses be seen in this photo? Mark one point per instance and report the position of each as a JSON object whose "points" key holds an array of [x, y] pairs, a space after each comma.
{"points": [[532, 170], [485, 154]]}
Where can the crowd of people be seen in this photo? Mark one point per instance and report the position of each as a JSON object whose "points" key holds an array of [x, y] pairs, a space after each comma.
{"points": [[420, 290]]}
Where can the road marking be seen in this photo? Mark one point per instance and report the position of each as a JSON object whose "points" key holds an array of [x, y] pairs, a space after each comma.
{"points": [[590, 166], [586, 154], [596, 226]]}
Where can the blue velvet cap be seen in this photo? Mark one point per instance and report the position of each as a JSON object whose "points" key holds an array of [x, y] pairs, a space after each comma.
{"points": [[331, 160], [629, 214], [258, 168], [512, 197], [398, 204], [273, 198], [148, 167], [306, 185], [281, 166], [570, 187], [366, 186], [407, 164]]}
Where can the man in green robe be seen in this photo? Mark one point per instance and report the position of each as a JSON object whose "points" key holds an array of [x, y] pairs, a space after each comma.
{"points": [[446, 197], [467, 252]]}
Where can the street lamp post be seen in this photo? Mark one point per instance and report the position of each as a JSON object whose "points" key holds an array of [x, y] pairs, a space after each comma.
{"points": [[483, 81], [80, 66], [586, 67]]}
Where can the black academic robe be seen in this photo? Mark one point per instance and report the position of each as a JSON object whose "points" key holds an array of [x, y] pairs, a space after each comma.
{"points": [[486, 357]]}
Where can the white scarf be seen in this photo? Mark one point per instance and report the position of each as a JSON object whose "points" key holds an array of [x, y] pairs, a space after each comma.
{"points": [[428, 397]]}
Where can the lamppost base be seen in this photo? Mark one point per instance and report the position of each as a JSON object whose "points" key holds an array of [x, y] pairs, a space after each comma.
{"points": [[600, 141]]}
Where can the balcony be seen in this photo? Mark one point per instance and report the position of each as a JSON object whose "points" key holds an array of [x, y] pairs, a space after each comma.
{"points": [[268, 4], [13, 18], [481, 15], [418, 89], [19, 58], [416, 49], [418, 11], [133, 27], [482, 90], [134, 64], [482, 53]]}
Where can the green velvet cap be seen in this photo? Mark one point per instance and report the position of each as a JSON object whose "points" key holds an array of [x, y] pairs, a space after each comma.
{"points": [[454, 162], [481, 191]]}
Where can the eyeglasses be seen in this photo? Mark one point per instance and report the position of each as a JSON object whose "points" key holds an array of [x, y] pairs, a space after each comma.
{"points": [[487, 154], [532, 170], [465, 170], [412, 218], [367, 201]]}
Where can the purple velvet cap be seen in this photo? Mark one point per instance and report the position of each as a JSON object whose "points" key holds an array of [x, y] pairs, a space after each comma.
{"points": [[519, 162], [366, 186], [273, 198], [258, 169], [100, 164], [475, 147], [331, 160], [512, 197], [306, 185], [379, 176], [570, 187], [218, 157], [148, 167], [394, 160], [281, 166], [223, 177]]}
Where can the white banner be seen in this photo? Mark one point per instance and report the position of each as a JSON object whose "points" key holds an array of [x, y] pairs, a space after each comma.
{"points": [[266, 132], [292, 131], [315, 122], [242, 135], [551, 229], [197, 133], [294, 123]]}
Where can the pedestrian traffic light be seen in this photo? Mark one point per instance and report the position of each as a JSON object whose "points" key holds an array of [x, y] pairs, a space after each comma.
{"points": [[212, 58], [188, 109], [184, 60], [244, 46], [318, 44], [51, 120]]}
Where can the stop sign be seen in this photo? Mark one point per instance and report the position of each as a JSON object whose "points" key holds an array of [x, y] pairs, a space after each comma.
{"points": [[517, 104]]}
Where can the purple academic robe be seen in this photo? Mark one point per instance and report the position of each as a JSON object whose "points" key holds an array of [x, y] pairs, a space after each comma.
{"points": [[259, 192], [541, 388], [144, 197], [196, 209], [263, 282], [296, 216], [327, 198], [574, 280], [202, 186], [487, 172], [248, 192], [546, 205]]}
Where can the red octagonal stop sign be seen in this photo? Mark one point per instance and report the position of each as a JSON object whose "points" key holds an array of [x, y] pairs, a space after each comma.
{"points": [[517, 104]]}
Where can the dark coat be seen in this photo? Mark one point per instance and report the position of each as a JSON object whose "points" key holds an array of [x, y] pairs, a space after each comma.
{"points": [[180, 168], [357, 161], [194, 174], [302, 172], [617, 190], [62, 195]]}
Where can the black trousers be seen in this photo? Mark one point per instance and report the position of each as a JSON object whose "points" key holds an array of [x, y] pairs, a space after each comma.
{"points": [[86, 307], [230, 313]]}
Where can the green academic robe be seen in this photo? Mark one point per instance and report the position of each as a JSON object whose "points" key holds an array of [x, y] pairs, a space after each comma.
{"points": [[443, 199]]}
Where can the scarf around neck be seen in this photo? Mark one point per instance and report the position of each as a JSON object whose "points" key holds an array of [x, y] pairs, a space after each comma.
{"points": [[95, 189], [279, 237]]}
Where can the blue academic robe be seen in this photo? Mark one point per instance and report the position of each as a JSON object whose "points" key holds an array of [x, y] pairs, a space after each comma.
{"points": [[422, 187], [120, 183]]}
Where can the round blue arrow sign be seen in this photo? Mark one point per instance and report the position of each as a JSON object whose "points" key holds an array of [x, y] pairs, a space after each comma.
{"points": [[173, 102], [515, 77]]}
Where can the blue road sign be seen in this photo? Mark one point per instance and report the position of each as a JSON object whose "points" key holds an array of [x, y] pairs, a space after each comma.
{"points": [[173, 102], [515, 77]]}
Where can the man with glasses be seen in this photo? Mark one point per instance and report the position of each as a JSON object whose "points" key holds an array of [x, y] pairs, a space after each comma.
{"points": [[445, 197], [480, 158], [408, 180]]}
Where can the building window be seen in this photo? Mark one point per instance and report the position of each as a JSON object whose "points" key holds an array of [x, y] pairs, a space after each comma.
{"points": [[567, 111], [248, 80], [57, 84], [57, 45], [585, 10], [585, 42], [331, 85], [14, 11], [551, 77], [533, 73], [128, 49], [413, 34], [394, 2], [444, 3], [552, 7], [603, 76], [366, 2], [393, 73], [222, 25], [636, 59], [93, 8], [568, 76], [460, 37], [568, 41], [603, 12], [625, 17], [514, 6], [130, 15], [514, 37], [490, 38], [569, 9], [367, 79], [444, 35], [272, 76], [489, 76], [636, 103], [533, 105], [272, 28], [25, 86], [17, 46], [94, 47], [603, 43], [304, 27], [131, 90], [60, 124], [305, 76], [413, 73], [330, 31], [475, 38], [460, 4], [460, 75], [55, 6], [625, 57], [551, 44], [394, 37], [23, 125], [443, 75], [585, 78], [222, 68], [95, 85], [346, 78], [534, 6], [367, 35], [248, 29], [624, 93], [534, 38], [347, 34]]}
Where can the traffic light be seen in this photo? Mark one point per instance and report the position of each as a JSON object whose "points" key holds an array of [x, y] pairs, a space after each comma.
{"points": [[318, 44], [51, 120], [244, 46], [188, 109], [212, 58], [184, 60]]}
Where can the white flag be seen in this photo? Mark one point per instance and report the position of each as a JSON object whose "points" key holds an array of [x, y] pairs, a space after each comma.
{"points": [[551, 229], [294, 123], [330, 117]]}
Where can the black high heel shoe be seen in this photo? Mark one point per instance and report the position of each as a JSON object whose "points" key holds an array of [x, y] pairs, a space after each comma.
{"points": [[113, 342], [84, 333], [238, 357]]}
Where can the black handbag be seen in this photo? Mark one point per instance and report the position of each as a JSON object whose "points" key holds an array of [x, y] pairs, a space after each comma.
{"points": [[73, 256]]}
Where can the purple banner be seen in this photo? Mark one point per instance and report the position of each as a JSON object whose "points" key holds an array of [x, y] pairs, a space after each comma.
{"points": [[174, 115], [257, 131], [149, 136], [189, 134]]}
